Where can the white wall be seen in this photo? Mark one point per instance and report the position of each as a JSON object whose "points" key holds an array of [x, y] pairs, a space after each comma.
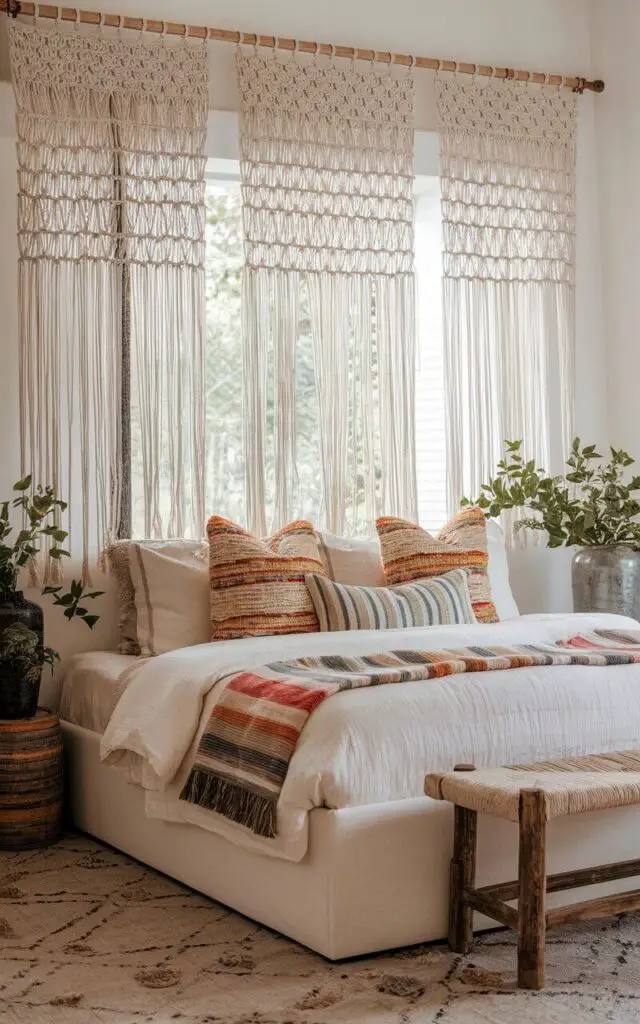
{"points": [[616, 34], [545, 35]]}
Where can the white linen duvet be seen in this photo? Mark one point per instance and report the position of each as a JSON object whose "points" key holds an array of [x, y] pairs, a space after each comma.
{"points": [[375, 744]]}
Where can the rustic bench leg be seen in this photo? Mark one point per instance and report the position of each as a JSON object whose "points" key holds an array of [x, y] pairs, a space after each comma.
{"points": [[532, 880], [463, 873]]}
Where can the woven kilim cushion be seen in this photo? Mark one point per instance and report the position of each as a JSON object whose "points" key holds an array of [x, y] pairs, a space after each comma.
{"points": [[257, 586], [411, 553]]}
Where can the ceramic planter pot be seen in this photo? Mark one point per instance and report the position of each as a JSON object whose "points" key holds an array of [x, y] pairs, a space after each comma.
{"points": [[18, 695], [607, 579]]}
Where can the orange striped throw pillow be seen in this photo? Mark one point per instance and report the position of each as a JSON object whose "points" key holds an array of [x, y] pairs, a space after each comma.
{"points": [[257, 586], [410, 553]]}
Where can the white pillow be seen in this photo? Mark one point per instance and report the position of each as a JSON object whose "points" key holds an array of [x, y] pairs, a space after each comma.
{"points": [[355, 561], [501, 594], [171, 584]]}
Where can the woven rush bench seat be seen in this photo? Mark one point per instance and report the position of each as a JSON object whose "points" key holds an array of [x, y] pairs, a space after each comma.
{"points": [[571, 785], [531, 795]]}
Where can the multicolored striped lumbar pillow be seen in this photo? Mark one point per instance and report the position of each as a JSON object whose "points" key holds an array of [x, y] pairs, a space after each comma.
{"points": [[410, 553], [440, 601], [257, 586]]}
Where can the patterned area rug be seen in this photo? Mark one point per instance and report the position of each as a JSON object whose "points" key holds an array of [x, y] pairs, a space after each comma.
{"points": [[88, 936]]}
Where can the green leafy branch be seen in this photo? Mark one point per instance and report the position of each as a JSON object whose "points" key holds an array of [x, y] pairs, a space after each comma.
{"points": [[593, 504], [40, 510], [41, 518], [72, 600]]}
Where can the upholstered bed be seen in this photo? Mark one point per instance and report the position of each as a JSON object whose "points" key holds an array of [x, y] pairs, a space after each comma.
{"points": [[360, 862]]}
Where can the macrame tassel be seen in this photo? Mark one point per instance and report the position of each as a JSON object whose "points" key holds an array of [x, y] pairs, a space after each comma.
{"points": [[167, 357], [286, 317], [330, 302], [366, 410], [395, 320], [255, 333]]}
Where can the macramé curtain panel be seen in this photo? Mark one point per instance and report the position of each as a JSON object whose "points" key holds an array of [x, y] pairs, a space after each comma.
{"points": [[327, 176], [508, 210], [111, 136]]}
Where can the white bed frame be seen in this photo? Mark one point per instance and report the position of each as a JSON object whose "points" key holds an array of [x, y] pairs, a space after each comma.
{"points": [[374, 878]]}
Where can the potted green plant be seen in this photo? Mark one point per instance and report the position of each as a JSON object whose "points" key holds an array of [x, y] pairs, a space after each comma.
{"points": [[592, 507], [22, 657], [22, 650]]}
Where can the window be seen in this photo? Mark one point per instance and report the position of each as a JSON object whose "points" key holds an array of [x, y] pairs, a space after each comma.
{"points": [[431, 465], [225, 456], [224, 481], [225, 467]]}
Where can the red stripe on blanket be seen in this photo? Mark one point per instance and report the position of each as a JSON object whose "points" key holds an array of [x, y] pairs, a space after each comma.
{"points": [[250, 722], [280, 691]]}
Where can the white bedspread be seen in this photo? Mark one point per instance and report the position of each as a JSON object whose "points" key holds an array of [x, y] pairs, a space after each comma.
{"points": [[375, 744]]}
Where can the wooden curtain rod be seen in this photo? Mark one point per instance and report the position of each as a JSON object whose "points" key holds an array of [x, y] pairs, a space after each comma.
{"points": [[14, 7]]}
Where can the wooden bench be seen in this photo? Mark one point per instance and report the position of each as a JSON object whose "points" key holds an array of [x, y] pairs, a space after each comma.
{"points": [[531, 795]]}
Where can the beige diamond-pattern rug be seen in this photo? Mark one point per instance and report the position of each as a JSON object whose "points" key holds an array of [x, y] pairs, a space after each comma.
{"points": [[89, 936]]}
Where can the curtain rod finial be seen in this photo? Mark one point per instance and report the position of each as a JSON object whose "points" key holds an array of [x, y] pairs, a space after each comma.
{"points": [[13, 8], [598, 85]]}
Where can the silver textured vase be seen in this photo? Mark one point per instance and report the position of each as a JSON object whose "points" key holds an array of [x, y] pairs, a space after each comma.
{"points": [[606, 579]]}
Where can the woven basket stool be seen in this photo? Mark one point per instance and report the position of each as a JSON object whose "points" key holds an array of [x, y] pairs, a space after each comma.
{"points": [[31, 781], [531, 795]]}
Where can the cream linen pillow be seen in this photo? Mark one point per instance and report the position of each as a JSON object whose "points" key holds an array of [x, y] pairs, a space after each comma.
{"points": [[117, 558], [353, 560], [171, 587], [498, 570]]}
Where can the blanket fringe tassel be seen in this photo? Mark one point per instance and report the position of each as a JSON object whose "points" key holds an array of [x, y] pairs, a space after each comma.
{"points": [[253, 810]]}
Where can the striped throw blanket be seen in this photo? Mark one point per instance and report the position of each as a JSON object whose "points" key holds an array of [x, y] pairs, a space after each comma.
{"points": [[245, 750]]}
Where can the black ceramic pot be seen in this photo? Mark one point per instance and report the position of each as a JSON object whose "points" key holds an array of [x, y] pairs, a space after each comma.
{"points": [[19, 696]]}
